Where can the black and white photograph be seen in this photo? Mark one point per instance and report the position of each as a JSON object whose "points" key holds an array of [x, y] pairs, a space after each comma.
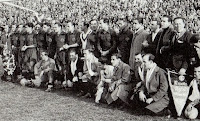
{"points": [[99, 60]]}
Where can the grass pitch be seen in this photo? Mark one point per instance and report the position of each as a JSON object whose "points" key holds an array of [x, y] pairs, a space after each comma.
{"points": [[30, 104]]}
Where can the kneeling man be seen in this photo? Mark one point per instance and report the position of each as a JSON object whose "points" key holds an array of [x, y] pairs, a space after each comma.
{"points": [[120, 82], [154, 91]]}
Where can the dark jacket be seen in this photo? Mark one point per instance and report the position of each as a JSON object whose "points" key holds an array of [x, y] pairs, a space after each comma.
{"points": [[79, 68], [124, 43], [164, 58]]}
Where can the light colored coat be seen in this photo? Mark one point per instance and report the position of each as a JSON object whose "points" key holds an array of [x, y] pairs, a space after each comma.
{"points": [[136, 46], [121, 91]]}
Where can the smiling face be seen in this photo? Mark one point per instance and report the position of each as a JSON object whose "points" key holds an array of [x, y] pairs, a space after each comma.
{"points": [[72, 56], [179, 25], [94, 25]]}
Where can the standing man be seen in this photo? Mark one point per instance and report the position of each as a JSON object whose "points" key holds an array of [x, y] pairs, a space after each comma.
{"points": [[149, 46], [139, 37], [60, 54], [41, 40], [93, 37], [163, 56], [124, 40], [15, 47], [49, 36], [73, 38], [180, 47], [29, 49], [106, 41], [85, 42], [21, 37]]}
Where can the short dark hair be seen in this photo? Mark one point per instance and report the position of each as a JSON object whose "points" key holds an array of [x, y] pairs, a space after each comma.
{"points": [[151, 56], [158, 21], [117, 55], [195, 38], [1, 28], [47, 24], [180, 18], [86, 24], [168, 17], [105, 20], [59, 24], [139, 19], [71, 23], [73, 50], [197, 65], [29, 25], [44, 51]]}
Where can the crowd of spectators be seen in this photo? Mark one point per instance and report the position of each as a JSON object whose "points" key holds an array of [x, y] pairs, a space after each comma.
{"points": [[80, 10]]}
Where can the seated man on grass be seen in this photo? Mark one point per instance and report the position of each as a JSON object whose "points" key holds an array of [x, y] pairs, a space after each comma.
{"points": [[43, 71]]}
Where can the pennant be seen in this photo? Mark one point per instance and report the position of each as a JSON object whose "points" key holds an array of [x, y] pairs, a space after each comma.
{"points": [[179, 93]]}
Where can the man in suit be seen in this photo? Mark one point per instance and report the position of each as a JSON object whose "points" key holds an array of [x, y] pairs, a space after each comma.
{"points": [[163, 57], [180, 46], [75, 70], [153, 94], [120, 82], [139, 36], [149, 46]]}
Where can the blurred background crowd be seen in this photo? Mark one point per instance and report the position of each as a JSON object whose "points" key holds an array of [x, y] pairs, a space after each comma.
{"points": [[85, 10]]}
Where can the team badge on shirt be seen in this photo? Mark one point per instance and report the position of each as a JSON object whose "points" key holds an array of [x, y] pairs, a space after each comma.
{"points": [[127, 39], [31, 39], [73, 38], [62, 40], [49, 40]]}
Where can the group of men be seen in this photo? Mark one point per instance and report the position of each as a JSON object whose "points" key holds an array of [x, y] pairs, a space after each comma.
{"points": [[109, 64]]}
